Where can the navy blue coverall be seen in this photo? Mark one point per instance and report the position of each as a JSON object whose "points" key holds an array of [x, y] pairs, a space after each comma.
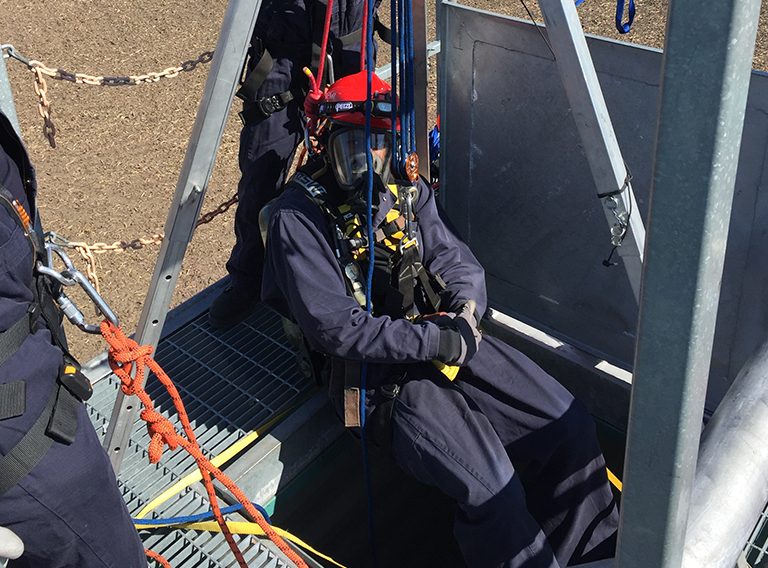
{"points": [[68, 510], [267, 144], [553, 507]]}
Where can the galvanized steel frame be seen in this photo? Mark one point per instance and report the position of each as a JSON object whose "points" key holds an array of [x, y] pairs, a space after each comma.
{"points": [[593, 122], [6, 96], [705, 80], [231, 48]]}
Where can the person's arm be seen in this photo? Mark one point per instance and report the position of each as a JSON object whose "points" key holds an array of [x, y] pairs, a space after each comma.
{"points": [[302, 268], [445, 253]]}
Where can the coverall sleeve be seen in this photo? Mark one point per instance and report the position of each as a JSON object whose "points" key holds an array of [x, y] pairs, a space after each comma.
{"points": [[302, 266], [445, 253]]}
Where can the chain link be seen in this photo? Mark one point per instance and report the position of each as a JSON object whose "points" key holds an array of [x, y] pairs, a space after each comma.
{"points": [[208, 217], [41, 71], [87, 251]]}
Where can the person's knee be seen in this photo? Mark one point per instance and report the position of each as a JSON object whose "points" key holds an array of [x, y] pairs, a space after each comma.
{"points": [[578, 420]]}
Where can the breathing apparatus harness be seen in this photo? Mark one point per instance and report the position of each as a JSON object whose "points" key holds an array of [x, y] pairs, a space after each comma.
{"points": [[58, 421], [400, 284]]}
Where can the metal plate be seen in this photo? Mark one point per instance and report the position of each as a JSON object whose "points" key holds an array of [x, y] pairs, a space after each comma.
{"points": [[517, 185]]}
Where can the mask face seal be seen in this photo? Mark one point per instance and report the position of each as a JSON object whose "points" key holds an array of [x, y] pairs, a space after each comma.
{"points": [[348, 155]]}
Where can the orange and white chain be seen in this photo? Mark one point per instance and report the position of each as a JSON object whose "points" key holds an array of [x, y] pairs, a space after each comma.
{"points": [[42, 71], [87, 251]]}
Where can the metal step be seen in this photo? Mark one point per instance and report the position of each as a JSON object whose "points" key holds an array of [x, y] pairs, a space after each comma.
{"points": [[231, 382]]}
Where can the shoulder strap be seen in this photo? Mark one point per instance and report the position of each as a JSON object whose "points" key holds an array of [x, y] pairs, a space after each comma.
{"points": [[12, 338]]}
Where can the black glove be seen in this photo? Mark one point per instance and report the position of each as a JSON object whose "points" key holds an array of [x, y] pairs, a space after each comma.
{"points": [[459, 336]]}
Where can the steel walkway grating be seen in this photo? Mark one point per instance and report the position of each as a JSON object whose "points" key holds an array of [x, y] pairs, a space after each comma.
{"points": [[757, 546], [231, 382]]}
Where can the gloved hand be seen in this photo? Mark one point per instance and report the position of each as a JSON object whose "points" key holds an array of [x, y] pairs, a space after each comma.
{"points": [[459, 336]]}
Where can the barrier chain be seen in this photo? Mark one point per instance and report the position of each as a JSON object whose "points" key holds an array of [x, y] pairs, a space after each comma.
{"points": [[41, 87], [87, 251]]}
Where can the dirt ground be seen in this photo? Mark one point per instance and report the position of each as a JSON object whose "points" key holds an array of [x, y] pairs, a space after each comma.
{"points": [[119, 149]]}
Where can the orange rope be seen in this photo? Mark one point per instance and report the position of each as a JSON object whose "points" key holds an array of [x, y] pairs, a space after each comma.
{"points": [[158, 558], [123, 353]]}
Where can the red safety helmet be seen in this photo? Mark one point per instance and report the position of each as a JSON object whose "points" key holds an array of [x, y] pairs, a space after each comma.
{"points": [[344, 106], [344, 101]]}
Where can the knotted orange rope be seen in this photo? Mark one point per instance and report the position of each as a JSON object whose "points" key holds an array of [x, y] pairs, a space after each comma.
{"points": [[123, 354]]}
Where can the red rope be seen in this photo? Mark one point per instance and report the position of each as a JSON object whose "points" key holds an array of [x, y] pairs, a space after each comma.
{"points": [[158, 558], [363, 44], [316, 87], [123, 354], [324, 47]]}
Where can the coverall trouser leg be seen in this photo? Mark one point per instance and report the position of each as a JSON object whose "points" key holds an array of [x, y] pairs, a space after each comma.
{"points": [[552, 508], [266, 151], [69, 511], [267, 147]]}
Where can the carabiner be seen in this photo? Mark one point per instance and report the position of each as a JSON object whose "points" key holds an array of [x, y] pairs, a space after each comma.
{"points": [[13, 53], [69, 277], [406, 194]]}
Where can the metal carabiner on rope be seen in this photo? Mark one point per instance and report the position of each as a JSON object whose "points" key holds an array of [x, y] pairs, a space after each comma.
{"points": [[69, 277]]}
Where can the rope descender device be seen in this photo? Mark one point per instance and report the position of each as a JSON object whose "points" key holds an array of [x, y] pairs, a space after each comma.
{"points": [[70, 276], [407, 176]]}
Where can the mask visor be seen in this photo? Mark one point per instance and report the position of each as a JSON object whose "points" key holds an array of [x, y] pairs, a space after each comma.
{"points": [[348, 151]]}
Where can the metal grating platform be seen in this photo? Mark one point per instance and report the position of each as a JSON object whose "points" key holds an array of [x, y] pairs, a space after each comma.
{"points": [[231, 382], [757, 547]]}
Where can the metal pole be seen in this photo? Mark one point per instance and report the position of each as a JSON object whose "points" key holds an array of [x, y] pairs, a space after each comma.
{"points": [[597, 135], [234, 38], [6, 96], [705, 78], [731, 486]]}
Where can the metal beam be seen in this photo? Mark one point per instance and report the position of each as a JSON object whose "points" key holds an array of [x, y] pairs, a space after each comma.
{"points": [[234, 39], [731, 487], [597, 135], [6, 96], [705, 79]]}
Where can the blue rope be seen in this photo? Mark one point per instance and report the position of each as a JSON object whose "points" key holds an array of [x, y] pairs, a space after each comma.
{"points": [[369, 277], [624, 28], [199, 517]]}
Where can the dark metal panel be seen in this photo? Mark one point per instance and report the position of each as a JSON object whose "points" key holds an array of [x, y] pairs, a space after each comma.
{"points": [[523, 194], [517, 185]]}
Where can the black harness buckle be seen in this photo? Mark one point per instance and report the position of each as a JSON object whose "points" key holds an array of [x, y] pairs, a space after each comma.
{"points": [[390, 390], [265, 107], [269, 105]]}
